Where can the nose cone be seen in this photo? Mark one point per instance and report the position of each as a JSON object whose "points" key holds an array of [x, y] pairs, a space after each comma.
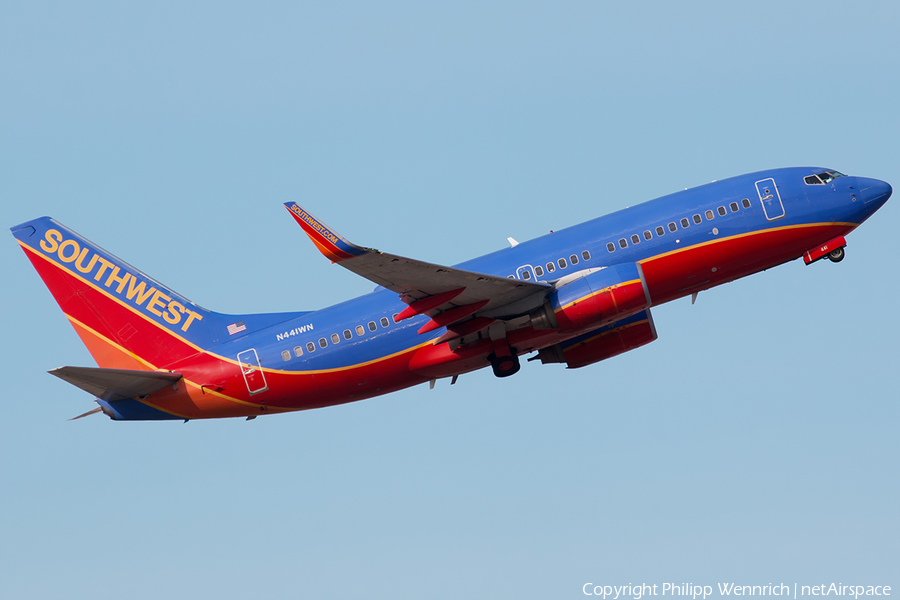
{"points": [[874, 192]]}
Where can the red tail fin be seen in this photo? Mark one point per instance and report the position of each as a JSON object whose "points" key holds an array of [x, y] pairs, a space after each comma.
{"points": [[126, 319]]}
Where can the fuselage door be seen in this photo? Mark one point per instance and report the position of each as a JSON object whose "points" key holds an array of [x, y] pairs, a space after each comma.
{"points": [[253, 373], [770, 198]]}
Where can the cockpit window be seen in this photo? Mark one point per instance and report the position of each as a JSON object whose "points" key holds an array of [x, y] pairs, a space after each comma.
{"points": [[824, 177], [829, 176]]}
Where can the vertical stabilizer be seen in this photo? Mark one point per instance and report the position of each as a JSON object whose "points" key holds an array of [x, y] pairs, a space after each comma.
{"points": [[126, 319]]}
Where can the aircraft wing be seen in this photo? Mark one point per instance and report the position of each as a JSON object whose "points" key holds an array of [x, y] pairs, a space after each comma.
{"points": [[447, 294]]}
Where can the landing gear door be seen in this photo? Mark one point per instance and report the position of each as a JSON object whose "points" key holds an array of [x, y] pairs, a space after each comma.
{"points": [[770, 198], [253, 373]]}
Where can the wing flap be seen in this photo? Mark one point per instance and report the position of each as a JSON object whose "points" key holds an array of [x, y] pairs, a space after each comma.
{"points": [[115, 384], [418, 307]]}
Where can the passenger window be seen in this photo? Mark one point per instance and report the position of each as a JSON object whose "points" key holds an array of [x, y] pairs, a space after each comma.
{"points": [[394, 316], [722, 211], [526, 274], [697, 219], [672, 227], [286, 355], [385, 322], [372, 326], [661, 230], [562, 263], [298, 350], [648, 235], [685, 223], [360, 330], [510, 277], [347, 334], [745, 203], [539, 271], [710, 215], [611, 247], [323, 342], [585, 255], [550, 267], [733, 206], [573, 259], [335, 338], [310, 347], [635, 239], [623, 243]]}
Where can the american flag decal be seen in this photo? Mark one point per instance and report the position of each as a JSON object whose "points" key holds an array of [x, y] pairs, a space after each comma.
{"points": [[236, 328]]}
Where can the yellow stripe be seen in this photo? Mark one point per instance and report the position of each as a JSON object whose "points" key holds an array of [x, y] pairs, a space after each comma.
{"points": [[155, 368], [716, 241], [592, 294], [742, 235], [103, 338], [111, 297], [198, 348], [377, 360]]}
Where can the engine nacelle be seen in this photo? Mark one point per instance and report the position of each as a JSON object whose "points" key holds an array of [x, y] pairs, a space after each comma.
{"points": [[600, 344], [599, 298]]}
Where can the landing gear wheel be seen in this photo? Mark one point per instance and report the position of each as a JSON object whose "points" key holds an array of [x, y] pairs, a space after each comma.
{"points": [[837, 255], [504, 366]]}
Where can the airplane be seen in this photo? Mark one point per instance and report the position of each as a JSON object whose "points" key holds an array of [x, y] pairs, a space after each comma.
{"points": [[575, 296]]}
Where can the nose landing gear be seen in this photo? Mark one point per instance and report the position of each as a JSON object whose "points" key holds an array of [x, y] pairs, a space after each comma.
{"points": [[832, 249]]}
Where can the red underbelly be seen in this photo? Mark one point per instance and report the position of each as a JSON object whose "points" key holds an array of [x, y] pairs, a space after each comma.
{"points": [[702, 266]]}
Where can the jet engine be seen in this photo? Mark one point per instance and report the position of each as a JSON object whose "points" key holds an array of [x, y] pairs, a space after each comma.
{"points": [[595, 297], [608, 341]]}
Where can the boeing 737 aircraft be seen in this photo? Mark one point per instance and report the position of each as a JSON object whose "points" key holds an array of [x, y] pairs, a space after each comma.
{"points": [[576, 296]]}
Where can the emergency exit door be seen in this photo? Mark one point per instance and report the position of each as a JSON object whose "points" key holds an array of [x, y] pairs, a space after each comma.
{"points": [[253, 373]]}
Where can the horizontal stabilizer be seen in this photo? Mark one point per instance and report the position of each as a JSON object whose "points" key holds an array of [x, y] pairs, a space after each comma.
{"points": [[115, 384]]}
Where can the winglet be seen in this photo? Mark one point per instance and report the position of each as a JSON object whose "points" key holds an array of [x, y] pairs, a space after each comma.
{"points": [[333, 246]]}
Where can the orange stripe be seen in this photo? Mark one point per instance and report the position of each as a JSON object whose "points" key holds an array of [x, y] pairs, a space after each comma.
{"points": [[329, 254], [325, 245]]}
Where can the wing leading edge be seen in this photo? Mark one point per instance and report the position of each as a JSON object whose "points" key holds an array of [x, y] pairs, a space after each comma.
{"points": [[447, 294]]}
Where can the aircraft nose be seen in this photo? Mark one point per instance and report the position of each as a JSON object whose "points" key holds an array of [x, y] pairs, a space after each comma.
{"points": [[874, 190]]}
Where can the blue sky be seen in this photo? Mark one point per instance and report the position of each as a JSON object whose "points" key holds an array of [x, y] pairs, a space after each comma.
{"points": [[756, 440]]}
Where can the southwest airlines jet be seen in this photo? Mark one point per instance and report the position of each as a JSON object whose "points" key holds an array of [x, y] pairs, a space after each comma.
{"points": [[576, 296]]}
